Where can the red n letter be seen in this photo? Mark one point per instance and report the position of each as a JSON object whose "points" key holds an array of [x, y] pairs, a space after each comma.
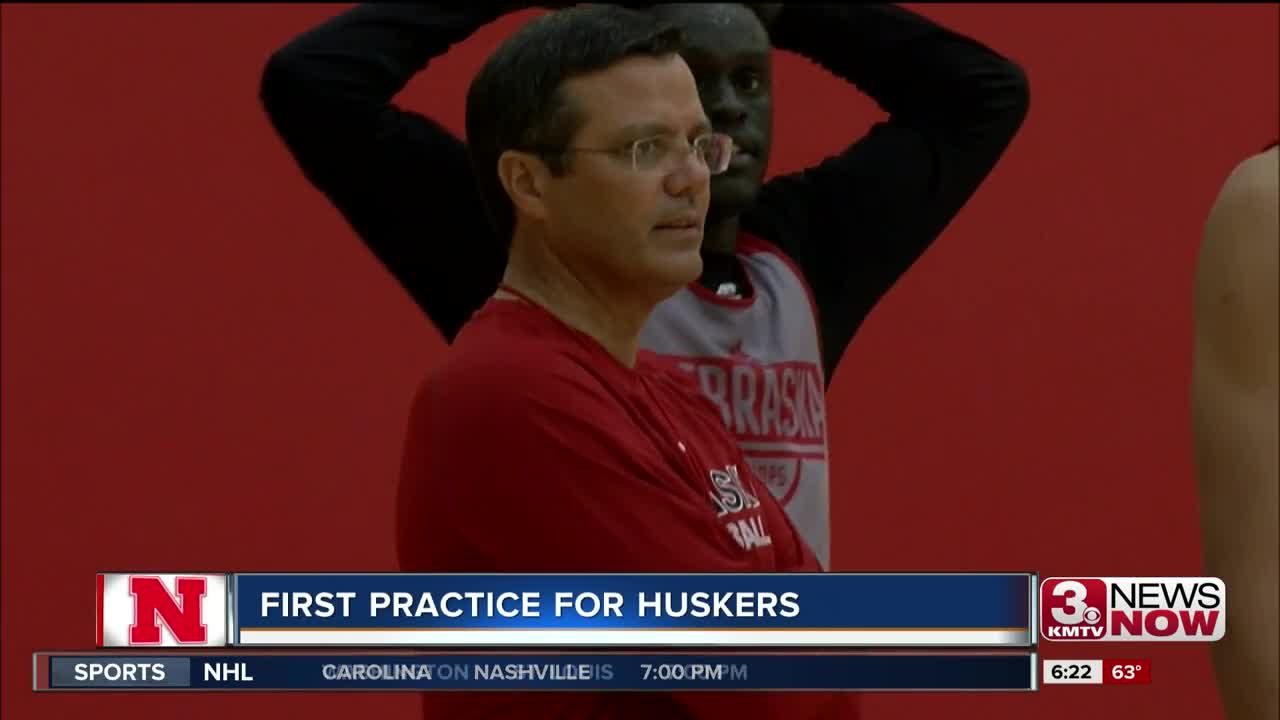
{"points": [[153, 604]]}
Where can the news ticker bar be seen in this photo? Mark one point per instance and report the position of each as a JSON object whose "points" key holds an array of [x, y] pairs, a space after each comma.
{"points": [[1096, 672], [575, 671]]}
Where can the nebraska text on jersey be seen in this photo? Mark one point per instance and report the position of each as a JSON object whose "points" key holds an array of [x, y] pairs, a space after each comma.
{"points": [[759, 361], [776, 412]]}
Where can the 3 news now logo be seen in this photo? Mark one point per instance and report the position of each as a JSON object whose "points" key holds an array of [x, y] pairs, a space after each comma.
{"points": [[1133, 609], [162, 610]]}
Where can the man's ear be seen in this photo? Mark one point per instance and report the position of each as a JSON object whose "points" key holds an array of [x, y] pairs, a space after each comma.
{"points": [[525, 177]]}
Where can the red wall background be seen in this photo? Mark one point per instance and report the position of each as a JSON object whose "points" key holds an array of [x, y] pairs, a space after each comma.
{"points": [[202, 368]]}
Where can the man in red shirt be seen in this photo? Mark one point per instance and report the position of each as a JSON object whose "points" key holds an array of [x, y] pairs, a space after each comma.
{"points": [[547, 441]]}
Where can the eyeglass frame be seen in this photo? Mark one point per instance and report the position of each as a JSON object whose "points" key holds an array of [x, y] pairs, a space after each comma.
{"points": [[630, 148]]}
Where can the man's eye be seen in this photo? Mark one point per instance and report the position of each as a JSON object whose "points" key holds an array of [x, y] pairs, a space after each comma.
{"points": [[648, 149], [750, 81]]}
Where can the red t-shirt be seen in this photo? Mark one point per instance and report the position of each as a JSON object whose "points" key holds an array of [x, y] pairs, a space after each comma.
{"points": [[531, 449]]}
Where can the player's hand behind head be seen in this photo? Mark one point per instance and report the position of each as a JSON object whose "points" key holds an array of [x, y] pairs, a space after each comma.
{"points": [[514, 6], [767, 12]]}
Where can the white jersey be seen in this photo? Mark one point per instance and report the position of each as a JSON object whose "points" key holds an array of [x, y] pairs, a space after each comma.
{"points": [[759, 360]]}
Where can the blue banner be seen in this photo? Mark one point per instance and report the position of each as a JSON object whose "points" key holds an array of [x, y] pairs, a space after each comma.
{"points": [[522, 671], [708, 609]]}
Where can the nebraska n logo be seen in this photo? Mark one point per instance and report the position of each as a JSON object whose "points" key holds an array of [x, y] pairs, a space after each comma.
{"points": [[153, 609], [154, 604]]}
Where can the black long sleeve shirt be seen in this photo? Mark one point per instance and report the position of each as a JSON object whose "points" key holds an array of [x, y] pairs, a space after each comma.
{"points": [[853, 224]]}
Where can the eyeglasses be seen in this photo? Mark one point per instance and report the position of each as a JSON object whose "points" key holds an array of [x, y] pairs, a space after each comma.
{"points": [[712, 150]]}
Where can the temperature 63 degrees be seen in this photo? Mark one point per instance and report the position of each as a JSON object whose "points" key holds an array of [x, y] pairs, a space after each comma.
{"points": [[1126, 672]]}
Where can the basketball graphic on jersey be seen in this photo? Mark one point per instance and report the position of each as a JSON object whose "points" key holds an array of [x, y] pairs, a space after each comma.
{"points": [[780, 475]]}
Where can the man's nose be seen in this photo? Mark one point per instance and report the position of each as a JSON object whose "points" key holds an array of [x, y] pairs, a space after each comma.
{"points": [[689, 176]]}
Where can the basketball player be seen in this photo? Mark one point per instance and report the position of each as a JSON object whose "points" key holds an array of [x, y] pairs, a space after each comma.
{"points": [[547, 440], [790, 270], [1234, 402]]}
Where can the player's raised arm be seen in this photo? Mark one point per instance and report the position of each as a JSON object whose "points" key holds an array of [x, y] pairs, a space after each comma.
{"points": [[1234, 408], [402, 181], [857, 221]]}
